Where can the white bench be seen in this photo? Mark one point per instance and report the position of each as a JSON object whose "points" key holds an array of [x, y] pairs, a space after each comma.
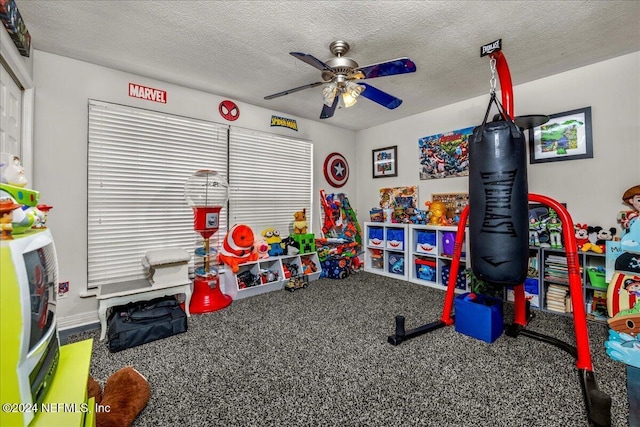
{"points": [[169, 275]]}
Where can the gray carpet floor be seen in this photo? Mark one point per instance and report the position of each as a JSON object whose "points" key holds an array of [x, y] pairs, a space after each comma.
{"points": [[319, 356]]}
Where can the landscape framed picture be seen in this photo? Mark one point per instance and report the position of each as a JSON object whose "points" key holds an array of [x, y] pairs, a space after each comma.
{"points": [[385, 162], [566, 136]]}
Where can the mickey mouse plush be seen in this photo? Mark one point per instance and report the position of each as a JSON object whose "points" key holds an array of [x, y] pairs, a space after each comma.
{"points": [[598, 237], [603, 236]]}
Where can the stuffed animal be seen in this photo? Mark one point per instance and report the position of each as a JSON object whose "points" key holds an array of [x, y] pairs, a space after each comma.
{"points": [[582, 235], [262, 248], [273, 238], [125, 395], [300, 222], [291, 247], [237, 247], [598, 237]]}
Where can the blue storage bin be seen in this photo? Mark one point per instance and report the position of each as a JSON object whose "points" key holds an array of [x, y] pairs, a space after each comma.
{"points": [[376, 236], [479, 316], [426, 242], [395, 239]]}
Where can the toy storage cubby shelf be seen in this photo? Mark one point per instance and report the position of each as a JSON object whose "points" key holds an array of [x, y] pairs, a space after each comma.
{"points": [[431, 253], [552, 272], [274, 269], [424, 251], [386, 249]]}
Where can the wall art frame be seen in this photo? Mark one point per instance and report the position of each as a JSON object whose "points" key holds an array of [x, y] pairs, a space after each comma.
{"points": [[566, 136]]}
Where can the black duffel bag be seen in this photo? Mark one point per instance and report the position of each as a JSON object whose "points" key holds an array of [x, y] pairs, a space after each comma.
{"points": [[141, 322]]}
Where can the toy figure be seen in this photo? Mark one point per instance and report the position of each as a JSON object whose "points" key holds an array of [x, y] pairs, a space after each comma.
{"points": [[582, 237], [262, 248], [632, 198], [534, 231], [237, 247], [7, 206], [11, 171], [437, 211], [300, 222], [272, 237], [554, 227]]}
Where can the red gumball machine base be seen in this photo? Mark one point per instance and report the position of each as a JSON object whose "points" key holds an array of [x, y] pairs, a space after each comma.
{"points": [[207, 296]]}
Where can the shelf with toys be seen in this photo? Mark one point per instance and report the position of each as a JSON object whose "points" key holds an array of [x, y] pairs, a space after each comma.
{"points": [[385, 249], [270, 274], [431, 253]]}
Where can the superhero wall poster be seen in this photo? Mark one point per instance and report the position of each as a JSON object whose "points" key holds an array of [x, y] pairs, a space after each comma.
{"points": [[445, 155]]}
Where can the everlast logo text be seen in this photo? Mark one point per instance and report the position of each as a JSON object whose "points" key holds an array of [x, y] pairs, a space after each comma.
{"points": [[490, 48], [498, 188]]}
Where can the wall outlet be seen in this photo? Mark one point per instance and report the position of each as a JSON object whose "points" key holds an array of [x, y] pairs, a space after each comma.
{"points": [[63, 289]]}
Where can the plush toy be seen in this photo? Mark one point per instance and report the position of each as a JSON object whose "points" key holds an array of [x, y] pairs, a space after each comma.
{"points": [[262, 248], [125, 395], [582, 235], [603, 236], [300, 222], [237, 247], [592, 245], [598, 237], [273, 238], [291, 247]]}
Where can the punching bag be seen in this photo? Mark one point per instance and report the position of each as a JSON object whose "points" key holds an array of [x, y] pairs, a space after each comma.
{"points": [[498, 201]]}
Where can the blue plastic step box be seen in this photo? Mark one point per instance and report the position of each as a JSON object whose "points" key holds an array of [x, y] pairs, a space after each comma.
{"points": [[479, 316]]}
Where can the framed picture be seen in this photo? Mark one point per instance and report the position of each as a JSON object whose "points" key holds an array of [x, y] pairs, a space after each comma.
{"points": [[385, 162], [567, 136]]}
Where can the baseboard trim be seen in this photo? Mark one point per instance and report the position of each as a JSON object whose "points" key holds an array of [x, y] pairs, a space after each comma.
{"points": [[78, 320]]}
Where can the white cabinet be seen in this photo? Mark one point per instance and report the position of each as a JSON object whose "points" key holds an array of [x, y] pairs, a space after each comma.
{"points": [[385, 249], [431, 254], [269, 274]]}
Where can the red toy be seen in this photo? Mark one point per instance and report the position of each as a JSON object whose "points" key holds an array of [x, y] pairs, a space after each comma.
{"points": [[237, 247]]}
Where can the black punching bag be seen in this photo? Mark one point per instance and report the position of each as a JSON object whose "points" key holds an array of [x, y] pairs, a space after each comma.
{"points": [[498, 202]]}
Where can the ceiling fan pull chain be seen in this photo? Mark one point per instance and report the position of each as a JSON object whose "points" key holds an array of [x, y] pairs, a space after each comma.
{"points": [[492, 82]]}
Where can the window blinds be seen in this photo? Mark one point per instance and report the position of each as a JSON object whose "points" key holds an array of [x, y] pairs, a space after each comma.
{"points": [[138, 163], [270, 178]]}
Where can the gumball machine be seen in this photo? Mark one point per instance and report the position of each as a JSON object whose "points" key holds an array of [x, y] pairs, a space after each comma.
{"points": [[206, 191]]}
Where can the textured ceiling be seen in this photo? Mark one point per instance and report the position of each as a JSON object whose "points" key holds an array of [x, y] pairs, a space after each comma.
{"points": [[240, 49]]}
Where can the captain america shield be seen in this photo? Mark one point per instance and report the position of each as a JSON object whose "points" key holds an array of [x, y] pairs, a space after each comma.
{"points": [[336, 170]]}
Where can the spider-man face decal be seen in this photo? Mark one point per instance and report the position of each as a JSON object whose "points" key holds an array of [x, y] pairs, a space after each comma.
{"points": [[229, 110]]}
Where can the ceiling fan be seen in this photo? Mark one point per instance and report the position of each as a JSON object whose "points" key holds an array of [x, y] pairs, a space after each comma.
{"points": [[343, 75]]}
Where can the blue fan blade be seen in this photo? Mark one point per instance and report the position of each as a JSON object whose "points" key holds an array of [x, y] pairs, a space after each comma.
{"points": [[328, 111], [389, 68], [295, 89], [382, 98], [311, 60]]}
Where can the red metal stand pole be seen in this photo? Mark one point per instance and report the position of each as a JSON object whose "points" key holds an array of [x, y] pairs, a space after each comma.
{"points": [[455, 266], [583, 360]]}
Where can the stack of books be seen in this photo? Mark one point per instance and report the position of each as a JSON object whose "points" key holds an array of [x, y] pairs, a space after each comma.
{"points": [[556, 270], [558, 299]]}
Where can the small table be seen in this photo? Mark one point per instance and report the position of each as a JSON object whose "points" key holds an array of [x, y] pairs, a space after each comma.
{"points": [[136, 290]]}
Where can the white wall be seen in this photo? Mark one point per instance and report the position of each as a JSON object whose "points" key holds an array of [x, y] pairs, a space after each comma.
{"points": [[592, 188], [63, 87]]}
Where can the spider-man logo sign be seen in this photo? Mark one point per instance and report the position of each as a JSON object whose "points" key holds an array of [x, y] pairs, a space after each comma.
{"points": [[229, 110], [336, 170]]}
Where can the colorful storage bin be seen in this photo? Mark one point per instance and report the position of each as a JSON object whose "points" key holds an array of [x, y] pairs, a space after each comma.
{"points": [[426, 242], [426, 269]]}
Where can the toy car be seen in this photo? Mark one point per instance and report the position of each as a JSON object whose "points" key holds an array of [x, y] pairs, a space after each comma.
{"points": [[295, 283]]}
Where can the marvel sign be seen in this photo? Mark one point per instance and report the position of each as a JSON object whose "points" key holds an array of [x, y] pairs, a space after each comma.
{"points": [[148, 93]]}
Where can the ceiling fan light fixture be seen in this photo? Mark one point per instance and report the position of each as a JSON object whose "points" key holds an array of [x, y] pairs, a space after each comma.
{"points": [[329, 92], [350, 94]]}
